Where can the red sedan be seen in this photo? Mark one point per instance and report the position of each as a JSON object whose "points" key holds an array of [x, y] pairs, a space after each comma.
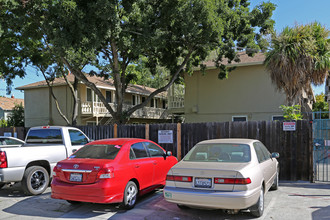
{"points": [[112, 171]]}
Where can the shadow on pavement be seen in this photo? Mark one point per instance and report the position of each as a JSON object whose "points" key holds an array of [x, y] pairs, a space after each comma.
{"points": [[151, 206], [157, 208], [305, 184], [321, 213], [12, 191]]}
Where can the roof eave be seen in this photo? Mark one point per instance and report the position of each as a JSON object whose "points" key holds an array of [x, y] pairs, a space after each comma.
{"points": [[233, 65]]}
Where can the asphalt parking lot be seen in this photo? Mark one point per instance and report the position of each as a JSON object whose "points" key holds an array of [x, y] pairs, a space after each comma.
{"points": [[293, 200]]}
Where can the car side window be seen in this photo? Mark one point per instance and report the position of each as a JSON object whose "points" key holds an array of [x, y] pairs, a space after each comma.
{"points": [[8, 141], [132, 154], [265, 151], [260, 154], [77, 138], [139, 150], [154, 150]]}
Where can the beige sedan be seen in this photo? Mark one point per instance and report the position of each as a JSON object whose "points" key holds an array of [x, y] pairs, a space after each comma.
{"points": [[230, 174]]}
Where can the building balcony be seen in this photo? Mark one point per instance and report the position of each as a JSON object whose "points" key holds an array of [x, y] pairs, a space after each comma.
{"points": [[176, 104], [97, 109]]}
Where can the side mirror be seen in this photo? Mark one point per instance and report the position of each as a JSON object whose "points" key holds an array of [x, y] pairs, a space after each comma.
{"points": [[275, 155], [167, 154]]}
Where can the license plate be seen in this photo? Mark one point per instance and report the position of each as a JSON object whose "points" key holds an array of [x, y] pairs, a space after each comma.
{"points": [[203, 182], [76, 177]]}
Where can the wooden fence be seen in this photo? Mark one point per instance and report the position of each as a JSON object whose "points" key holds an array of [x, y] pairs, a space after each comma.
{"points": [[295, 147]]}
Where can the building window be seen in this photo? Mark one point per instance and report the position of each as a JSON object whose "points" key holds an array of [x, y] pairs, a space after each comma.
{"points": [[277, 118], [133, 100], [143, 99], [164, 103], [156, 103], [152, 103], [108, 96], [89, 95], [239, 118]]}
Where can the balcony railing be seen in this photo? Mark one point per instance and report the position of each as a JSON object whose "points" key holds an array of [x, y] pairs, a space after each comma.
{"points": [[176, 102], [98, 109]]}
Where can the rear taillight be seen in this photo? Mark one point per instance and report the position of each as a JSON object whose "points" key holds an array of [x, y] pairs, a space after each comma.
{"points": [[106, 173], [242, 181], [179, 178], [56, 170], [3, 160]]}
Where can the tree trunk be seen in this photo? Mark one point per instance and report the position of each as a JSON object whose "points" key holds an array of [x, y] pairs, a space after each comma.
{"points": [[73, 89]]}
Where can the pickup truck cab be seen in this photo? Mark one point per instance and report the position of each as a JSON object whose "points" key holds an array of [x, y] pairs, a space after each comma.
{"points": [[32, 163]]}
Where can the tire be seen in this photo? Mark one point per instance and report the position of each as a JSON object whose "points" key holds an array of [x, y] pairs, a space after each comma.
{"points": [[35, 180], [2, 185], [73, 202], [130, 195], [275, 184], [182, 206], [258, 209]]}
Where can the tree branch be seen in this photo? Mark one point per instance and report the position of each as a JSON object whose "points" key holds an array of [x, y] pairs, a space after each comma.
{"points": [[54, 97], [81, 76], [162, 89]]}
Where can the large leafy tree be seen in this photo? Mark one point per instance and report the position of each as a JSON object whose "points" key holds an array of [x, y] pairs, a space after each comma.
{"points": [[111, 35], [320, 104], [299, 57], [16, 118]]}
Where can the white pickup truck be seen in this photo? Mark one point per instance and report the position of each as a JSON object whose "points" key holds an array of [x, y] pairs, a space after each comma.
{"points": [[32, 163]]}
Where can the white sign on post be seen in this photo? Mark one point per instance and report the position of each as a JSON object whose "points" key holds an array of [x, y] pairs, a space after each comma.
{"points": [[165, 136], [289, 126], [9, 134]]}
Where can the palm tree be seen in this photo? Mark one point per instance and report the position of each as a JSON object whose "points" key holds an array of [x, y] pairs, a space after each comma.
{"points": [[299, 57]]}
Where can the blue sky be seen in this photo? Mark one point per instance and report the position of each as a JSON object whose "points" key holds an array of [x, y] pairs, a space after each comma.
{"points": [[287, 13]]}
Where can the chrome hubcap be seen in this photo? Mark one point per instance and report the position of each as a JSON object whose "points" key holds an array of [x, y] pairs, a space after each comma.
{"points": [[131, 195], [38, 180], [261, 201]]}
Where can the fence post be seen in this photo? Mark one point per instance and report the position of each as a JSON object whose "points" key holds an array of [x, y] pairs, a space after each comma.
{"points": [[115, 131], [178, 137], [147, 131]]}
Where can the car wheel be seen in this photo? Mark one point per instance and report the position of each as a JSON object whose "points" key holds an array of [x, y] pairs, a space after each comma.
{"points": [[2, 185], [258, 209], [275, 184], [35, 180], [130, 195], [73, 202]]}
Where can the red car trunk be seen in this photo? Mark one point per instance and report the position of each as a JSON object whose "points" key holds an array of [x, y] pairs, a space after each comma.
{"points": [[82, 171]]}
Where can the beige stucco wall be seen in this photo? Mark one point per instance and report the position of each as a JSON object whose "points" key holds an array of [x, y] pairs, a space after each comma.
{"points": [[247, 92], [39, 111], [36, 108]]}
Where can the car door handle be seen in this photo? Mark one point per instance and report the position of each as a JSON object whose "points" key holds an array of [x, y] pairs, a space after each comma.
{"points": [[137, 165], [155, 163]]}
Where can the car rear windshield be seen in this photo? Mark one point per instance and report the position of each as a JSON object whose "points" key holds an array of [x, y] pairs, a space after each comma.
{"points": [[53, 136], [235, 153], [97, 152]]}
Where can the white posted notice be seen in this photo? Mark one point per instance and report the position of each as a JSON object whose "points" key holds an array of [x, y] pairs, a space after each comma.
{"points": [[165, 136]]}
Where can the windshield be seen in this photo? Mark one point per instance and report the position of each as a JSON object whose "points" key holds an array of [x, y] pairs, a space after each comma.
{"points": [[97, 152], [219, 153], [45, 136]]}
